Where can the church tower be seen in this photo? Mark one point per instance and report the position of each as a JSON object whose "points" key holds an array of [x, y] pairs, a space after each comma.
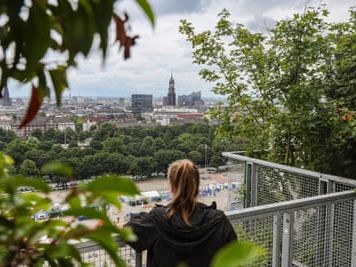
{"points": [[6, 100], [171, 92]]}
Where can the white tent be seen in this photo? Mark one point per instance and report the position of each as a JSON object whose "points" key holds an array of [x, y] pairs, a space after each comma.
{"points": [[151, 195]]}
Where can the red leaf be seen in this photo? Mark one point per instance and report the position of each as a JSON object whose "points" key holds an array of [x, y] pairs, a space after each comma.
{"points": [[120, 28], [130, 41], [33, 107], [121, 35]]}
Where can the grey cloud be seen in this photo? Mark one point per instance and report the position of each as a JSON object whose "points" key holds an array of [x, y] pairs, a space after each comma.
{"points": [[261, 24], [165, 7], [261, 6]]}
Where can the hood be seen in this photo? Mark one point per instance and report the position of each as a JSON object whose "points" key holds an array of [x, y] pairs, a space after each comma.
{"points": [[183, 238]]}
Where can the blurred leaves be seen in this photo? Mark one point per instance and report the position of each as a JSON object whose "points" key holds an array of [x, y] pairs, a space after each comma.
{"points": [[57, 168], [52, 240], [112, 184], [237, 254], [63, 29]]}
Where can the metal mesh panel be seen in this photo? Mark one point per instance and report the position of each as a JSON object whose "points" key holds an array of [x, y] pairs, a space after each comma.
{"points": [[274, 185], [259, 231], [339, 187], [98, 257], [323, 236], [342, 233], [308, 242]]}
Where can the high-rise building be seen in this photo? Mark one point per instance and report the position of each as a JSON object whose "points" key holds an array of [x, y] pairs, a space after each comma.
{"points": [[190, 100], [141, 103], [171, 92], [6, 100]]}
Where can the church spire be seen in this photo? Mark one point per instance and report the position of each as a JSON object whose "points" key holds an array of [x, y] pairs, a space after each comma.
{"points": [[6, 100], [171, 92]]}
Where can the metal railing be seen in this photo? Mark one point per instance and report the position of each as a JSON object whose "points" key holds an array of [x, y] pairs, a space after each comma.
{"points": [[267, 182], [92, 254], [314, 231], [302, 218]]}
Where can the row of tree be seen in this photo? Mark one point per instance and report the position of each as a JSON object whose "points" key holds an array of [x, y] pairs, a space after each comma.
{"points": [[134, 150]]}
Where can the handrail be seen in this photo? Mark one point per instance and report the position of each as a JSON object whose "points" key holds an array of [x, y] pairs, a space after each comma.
{"points": [[282, 167], [277, 210], [292, 205]]}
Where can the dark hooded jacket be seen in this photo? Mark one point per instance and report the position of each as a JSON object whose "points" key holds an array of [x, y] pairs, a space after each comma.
{"points": [[170, 242]]}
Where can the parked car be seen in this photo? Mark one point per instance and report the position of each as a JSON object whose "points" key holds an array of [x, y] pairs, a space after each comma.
{"points": [[41, 215]]}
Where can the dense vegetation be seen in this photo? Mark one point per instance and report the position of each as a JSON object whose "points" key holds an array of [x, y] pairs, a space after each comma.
{"points": [[135, 150], [291, 91]]}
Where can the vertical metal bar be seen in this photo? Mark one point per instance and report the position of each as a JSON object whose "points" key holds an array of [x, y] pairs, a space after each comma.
{"points": [[329, 228], [276, 246], [254, 185], [248, 173], [138, 259], [321, 226], [353, 250], [287, 241]]}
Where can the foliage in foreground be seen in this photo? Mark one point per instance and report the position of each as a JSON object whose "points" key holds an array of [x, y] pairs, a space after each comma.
{"points": [[290, 92], [30, 242], [31, 30]]}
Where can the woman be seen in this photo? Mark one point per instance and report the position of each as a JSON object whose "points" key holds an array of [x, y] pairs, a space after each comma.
{"points": [[185, 231]]}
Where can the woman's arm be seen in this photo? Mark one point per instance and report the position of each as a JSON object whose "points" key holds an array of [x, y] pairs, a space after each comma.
{"points": [[144, 228]]}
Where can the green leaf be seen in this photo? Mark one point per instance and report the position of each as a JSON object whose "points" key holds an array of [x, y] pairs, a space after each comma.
{"points": [[59, 80], [103, 11], [127, 234], [237, 254], [37, 36], [92, 213], [37, 201], [146, 7], [64, 250], [57, 168], [15, 182], [107, 242], [111, 198], [112, 184]]}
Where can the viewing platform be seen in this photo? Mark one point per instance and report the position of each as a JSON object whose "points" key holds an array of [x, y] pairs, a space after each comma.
{"points": [[302, 218]]}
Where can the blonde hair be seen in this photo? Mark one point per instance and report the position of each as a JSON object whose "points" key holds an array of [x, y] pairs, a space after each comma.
{"points": [[183, 176]]}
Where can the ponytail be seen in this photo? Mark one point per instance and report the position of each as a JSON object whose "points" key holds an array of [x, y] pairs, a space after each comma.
{"points": [[183, 176]]}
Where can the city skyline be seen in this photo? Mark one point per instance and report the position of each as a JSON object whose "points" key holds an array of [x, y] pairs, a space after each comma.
{"points": [[162, 50]]}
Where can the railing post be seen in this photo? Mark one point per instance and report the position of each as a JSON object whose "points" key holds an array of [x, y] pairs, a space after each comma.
{"points": [[138, 259], [254, 180], [353, 250], [247, 180], [329, 229], [322, 228], [276, 246], [287, 241], [251, 184]]}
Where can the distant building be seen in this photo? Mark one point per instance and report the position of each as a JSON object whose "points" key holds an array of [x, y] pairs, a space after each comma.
{"points": [[41, 123], [6, 100], [171, 93], [192, 100], [141, 103], [165, 101]]}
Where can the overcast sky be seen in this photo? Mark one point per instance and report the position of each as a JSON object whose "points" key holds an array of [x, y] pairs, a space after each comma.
{"points": [[163, 50]]}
